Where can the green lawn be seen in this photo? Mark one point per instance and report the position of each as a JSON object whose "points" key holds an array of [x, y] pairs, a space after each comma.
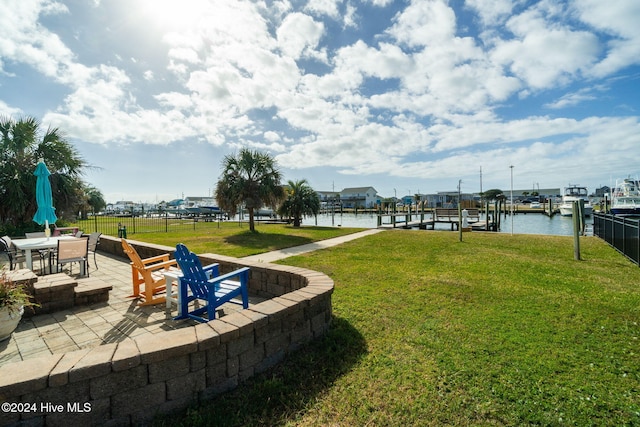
{"points": [[239, 242], [227, 238], [427, 330]]}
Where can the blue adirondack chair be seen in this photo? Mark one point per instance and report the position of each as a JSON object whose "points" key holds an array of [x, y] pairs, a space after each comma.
{"points": [[206, 285]]}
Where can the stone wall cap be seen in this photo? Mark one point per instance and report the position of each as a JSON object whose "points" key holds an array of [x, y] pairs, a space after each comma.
{"points": [[167, 344], [27, 376], [207, 336], [126, 356], [60, 373], [95, 363]]}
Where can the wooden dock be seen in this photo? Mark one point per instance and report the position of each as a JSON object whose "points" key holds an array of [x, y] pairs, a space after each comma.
{"points": [[438, 215], [405, 220]]}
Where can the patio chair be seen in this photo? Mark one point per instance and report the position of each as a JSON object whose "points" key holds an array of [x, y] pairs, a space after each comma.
{"points": [[73, 250], [148, 274], [42, 253], [35, 234], [94, 241], [213, 291], [15, 257]]}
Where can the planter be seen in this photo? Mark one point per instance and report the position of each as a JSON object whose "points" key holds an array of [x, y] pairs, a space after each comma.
{"points": [[9, 321]]}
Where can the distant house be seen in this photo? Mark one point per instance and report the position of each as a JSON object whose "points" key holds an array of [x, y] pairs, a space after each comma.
{"points": [[121, 206], [361, 197], [603, 191], [328, 198]]}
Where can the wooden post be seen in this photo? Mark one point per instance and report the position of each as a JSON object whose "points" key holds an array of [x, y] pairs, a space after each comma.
{"points": [[576, 230], [459, 221], [582, 216], [486, 216]]}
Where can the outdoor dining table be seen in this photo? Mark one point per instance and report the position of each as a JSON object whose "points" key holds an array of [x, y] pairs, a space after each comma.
{"points": [[37, 243]]}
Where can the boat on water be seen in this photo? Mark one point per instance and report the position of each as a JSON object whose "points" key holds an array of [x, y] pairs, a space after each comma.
{"points": [[625, 197], [203, 210], [571, 194]]}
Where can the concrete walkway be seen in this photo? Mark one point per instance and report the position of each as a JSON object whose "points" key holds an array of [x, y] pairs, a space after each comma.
{"points": [[297, 250]]}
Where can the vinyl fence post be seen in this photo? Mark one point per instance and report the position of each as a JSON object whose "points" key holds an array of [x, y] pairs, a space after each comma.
{"points": [[576, 230]]}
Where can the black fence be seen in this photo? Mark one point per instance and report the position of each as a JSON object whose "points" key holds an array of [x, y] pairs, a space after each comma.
{"points": [[623, 233], [125, 225]]}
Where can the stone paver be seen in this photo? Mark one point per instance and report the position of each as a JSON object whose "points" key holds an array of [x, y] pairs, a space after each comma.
{"points": [[92, 325]]}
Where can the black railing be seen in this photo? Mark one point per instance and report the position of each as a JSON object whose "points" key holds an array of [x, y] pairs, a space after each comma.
{"points": [[125, 225], [623, 233]]}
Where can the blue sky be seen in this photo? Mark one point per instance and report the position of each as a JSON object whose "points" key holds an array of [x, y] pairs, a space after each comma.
{"points": [[405, 96]]}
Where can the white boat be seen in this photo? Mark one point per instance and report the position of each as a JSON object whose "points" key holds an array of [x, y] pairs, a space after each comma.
{"points": [[625, 197], [571, 194]]}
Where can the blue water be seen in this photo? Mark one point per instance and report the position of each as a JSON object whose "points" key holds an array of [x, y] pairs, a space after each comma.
{"points": [[533, 223]]}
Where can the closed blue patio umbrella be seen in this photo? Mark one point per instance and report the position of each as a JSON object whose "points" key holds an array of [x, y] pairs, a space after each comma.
{"points": [[46, 213]]}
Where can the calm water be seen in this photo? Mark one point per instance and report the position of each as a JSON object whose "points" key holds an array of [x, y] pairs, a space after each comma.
{"points": [[522, 223]]}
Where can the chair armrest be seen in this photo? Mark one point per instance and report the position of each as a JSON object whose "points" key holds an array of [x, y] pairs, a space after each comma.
{"points": [[161, 265], [156, 258], [211, 270], [227, 276]]}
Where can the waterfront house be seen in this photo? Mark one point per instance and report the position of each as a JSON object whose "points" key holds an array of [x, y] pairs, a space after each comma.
{"points": [[359, 197]]}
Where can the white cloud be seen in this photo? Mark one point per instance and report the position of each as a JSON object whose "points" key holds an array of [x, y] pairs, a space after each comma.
{"points": [[7, 111], [298, 33], [324, 7], [491, 12], [620, 20], [424, 23], [544, 54], [571, 99]]}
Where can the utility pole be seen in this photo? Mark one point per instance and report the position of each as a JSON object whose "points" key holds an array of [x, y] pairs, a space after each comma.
{"points": [[333, 202], [459, 210], [511, 167]]}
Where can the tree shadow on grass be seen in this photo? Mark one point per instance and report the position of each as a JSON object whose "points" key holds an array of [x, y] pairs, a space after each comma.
{"points": [[281, 393], [261, 242]]}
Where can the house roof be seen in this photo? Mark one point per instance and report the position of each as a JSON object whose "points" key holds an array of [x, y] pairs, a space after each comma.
{"points": [[358, 190]]}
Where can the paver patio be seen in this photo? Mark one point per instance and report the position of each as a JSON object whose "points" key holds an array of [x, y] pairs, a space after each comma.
{"points": [[92, 325]]}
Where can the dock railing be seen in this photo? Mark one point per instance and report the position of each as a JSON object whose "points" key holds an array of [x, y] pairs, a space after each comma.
{"points": [[622, 233]]}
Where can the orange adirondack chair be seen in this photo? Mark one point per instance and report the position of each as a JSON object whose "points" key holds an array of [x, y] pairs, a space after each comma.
{"points": [[149, 274]]}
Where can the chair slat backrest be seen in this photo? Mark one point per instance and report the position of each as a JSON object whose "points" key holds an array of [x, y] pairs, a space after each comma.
{"points": [[8, 241], [132, 254], [192, 272], [94, 240], [4, 247], [35, 234], [72, 250]]}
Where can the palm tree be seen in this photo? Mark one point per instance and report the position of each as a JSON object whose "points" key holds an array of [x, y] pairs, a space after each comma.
{"points": [[92, 200], [22, 144], [301, 200], [250, 178]]}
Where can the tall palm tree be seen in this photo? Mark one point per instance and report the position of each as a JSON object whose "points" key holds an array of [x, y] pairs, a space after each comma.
{"points": [[301, 200], [22, 144], [251, 179]]}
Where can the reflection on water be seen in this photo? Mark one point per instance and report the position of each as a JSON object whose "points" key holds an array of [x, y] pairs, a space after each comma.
{"points": [[532, 223]]}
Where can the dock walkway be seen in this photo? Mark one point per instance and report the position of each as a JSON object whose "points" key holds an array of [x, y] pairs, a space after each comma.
{"points": [[419, 220]]}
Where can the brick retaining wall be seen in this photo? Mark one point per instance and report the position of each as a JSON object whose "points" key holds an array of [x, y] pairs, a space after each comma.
{"points": [[131, 381]]}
